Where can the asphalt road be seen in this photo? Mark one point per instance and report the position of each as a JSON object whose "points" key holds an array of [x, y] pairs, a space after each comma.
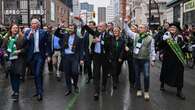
{"points": [[123, 98]]}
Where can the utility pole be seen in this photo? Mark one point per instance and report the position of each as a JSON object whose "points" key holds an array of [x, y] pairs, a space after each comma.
{"points": [[149, 19], [2, 11], [41, 14], [28, 6]]}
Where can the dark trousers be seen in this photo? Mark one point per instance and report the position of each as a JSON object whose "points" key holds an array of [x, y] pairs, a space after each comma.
{"points": [[23, 69], [142, 66], [38, 65], [131, 72], [115, 71], [14, 77], [87, 65], [119, 66], [50, 66], [99, 62], [71, 66]]}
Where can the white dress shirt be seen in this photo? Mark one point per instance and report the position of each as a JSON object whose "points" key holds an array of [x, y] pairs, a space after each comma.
{"points": [[36, 41]]}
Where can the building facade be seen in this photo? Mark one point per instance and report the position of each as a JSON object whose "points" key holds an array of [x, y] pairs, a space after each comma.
{"points": [[86, 11], [139, 10], [1, 7], [48, 11], [86, 6], [76, 8], [110, 12], [189, 12], [183, 11], [101, 14]]}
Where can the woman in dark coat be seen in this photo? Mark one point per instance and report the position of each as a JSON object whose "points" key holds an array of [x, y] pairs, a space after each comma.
{"points": [[116, 50], [172, 72], [14, 47]]}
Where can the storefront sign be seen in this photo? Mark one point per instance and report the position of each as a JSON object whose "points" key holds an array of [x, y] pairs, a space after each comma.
{"points": [[189, 6]]}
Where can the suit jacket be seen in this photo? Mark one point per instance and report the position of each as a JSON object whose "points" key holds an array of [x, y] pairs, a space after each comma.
{"points": [[20, 45], [86, 42], [77, 44], [44, 45], [106, 39], [117, 48]]}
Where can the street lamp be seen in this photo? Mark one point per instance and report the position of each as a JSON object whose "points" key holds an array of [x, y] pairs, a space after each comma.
{"points": [[149, 20], [41, 13], [71, 16], [28, 6], [2, 7]]}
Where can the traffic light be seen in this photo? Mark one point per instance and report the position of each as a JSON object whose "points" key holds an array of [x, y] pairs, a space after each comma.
{"points": [[19, 20], [93, 14], [152, 18]]}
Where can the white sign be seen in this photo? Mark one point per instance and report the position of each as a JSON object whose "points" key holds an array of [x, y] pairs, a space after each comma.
{"points": [[52, 10], [12, 12]]}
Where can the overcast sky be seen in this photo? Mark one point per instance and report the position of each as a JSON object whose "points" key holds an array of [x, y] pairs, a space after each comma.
{"points": [[97, 3]]}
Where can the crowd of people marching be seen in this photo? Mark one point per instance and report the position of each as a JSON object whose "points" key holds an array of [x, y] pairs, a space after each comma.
{"points": [[101, 48]]}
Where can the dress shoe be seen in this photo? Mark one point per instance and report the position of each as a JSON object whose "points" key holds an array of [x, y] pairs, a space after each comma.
{"points": [[132, 86], [68, 93], [115, 87], [14, 94], [39, 97], [96, 96], [15, 97], [181, 96], [35, 95], [162, 88], [58, 79], [88, 80], [76, 89], [103, 89]]}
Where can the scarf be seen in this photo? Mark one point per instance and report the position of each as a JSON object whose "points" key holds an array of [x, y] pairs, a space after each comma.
{"points": [[141, 37], [11, 46]]}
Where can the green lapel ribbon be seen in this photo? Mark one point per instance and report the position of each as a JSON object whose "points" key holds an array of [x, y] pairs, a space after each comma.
{"points": [[177, 50], [116, 45]]}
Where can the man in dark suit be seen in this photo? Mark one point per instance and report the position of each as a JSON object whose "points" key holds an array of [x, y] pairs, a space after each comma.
{"points": [[87, 42], [100, 51], [72, 53], [38, 50]]}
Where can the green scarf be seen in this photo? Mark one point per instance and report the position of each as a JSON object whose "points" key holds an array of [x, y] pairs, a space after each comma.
{"points": [[141, 37], [177, 50], [11, 46]]}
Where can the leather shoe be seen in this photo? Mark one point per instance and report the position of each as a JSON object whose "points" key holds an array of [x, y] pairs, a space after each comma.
{"points": [[181, 96], [103, 89], [114, 87], [162, 88], [88, 81], [35, 95], [39, 98], [96, 96], [76, 89], [68, 93], [58, 78]]}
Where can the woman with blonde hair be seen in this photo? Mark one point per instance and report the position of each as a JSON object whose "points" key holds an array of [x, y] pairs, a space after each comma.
{"points": [[116, 54], [14, 47]]}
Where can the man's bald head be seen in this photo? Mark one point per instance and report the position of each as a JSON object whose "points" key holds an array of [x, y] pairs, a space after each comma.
{"points": [[102, 26]]}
